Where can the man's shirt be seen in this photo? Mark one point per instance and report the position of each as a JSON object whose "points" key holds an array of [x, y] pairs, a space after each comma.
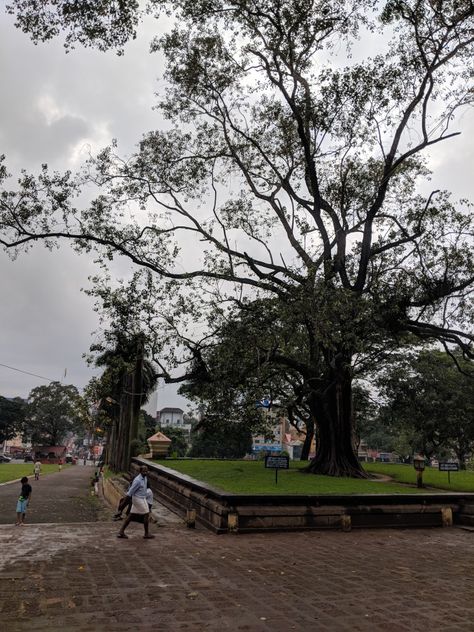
{"points": [[138, 487]]}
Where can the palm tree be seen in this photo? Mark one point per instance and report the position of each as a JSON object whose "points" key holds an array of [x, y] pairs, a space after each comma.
{"points": [[126, 384]]}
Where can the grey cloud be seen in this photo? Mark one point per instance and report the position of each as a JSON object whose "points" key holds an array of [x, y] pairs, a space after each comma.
{"points": [[40, 142]]}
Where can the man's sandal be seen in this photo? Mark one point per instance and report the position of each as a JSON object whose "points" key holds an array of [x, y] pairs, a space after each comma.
{"points": [[122, 535], [148, 537]]}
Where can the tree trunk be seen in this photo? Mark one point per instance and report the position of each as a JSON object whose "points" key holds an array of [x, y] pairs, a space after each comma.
{"points": [[461, 456], [332, 409], [112, 445], [137, 393], [308, 440], [122, 461]]}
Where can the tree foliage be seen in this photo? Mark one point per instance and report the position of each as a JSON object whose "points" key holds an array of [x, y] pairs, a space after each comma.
{"points": [[179, 443], [53, 412], [233, 374], [99, 23], [125, 385], [232, 440], [431, 402], [12, 417], [287, 172]]}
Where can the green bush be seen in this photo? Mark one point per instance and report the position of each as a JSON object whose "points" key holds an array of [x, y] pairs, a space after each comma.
{"points": [[137, 447]]}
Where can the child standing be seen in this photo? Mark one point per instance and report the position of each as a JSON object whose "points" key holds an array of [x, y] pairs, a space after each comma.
{"points": [[149, 499], [23, 501]]}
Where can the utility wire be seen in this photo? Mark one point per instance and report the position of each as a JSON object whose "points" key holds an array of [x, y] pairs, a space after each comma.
{"points": [[27, 373]]}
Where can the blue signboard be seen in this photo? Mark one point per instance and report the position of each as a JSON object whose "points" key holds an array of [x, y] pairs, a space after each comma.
{"points": [[266, 448]]}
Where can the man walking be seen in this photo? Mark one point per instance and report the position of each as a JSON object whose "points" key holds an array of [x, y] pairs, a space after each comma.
{"points": [[37, 469], [140, 511]]}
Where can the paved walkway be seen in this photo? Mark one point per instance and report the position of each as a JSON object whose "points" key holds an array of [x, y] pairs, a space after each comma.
{"points": [[80, 577], [59, 497], [76, 576]]}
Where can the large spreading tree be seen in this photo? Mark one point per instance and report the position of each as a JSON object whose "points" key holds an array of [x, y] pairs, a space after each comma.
{"points": [[289, 170], [52, 413]]}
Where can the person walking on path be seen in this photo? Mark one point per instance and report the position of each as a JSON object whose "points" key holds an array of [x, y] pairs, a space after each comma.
{"points": [[23, 501], [140, 511], [37, 469]]}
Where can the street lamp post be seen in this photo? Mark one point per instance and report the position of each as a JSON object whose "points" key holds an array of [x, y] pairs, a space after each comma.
{"points": [[419, 465]]}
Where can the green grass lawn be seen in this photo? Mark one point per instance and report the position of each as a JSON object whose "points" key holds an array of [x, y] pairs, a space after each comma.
{"points": [[432, 477], [251, 477], [12, 471]]}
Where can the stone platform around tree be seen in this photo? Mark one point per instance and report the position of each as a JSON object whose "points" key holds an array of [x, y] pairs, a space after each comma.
{"points": [[222, 512]]}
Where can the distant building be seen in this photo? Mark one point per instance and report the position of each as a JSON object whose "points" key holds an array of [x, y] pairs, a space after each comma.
{"points": [[173, 418], [170, 417], [273, 440], [282, 438], [50, 453]]}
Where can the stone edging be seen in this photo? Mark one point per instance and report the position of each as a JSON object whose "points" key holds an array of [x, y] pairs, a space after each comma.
{"points": [[16, 480], [111, 491], [224, 512]]}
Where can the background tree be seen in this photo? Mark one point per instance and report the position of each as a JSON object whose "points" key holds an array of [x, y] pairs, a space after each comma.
{"points": [[52, 412], [147, 425], [368, 426], [431, 402], [179, 444], [232, 373], [232, 440], [12, 417], [126, 384], [285, 177]]}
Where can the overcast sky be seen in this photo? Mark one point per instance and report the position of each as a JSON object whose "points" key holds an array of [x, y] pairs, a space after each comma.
{"points": [[56, 108]]}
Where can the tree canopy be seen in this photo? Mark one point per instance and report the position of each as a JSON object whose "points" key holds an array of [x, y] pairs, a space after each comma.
{"points": [[53, 411], [12, 417], [430, 401], [230, 441], [292, 167], [127, 381], [179, 443]]}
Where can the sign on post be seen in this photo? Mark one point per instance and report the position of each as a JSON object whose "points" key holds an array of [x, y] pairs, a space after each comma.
{"points": [[448, 467], [277, 463]]}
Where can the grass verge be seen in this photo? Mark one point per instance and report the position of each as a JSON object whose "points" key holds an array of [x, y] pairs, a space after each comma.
{"points": [[12, 471], [251, 477], [462, 481]]}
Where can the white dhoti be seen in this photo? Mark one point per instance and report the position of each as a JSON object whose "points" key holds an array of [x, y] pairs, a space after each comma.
{"points": [[139, 506]]}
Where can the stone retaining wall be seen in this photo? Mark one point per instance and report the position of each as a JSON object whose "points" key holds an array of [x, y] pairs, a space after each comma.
{"points": [[222, 512], [112, 491]]}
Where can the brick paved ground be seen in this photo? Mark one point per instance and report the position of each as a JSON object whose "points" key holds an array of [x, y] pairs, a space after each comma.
{"points": [[79, 577]]}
